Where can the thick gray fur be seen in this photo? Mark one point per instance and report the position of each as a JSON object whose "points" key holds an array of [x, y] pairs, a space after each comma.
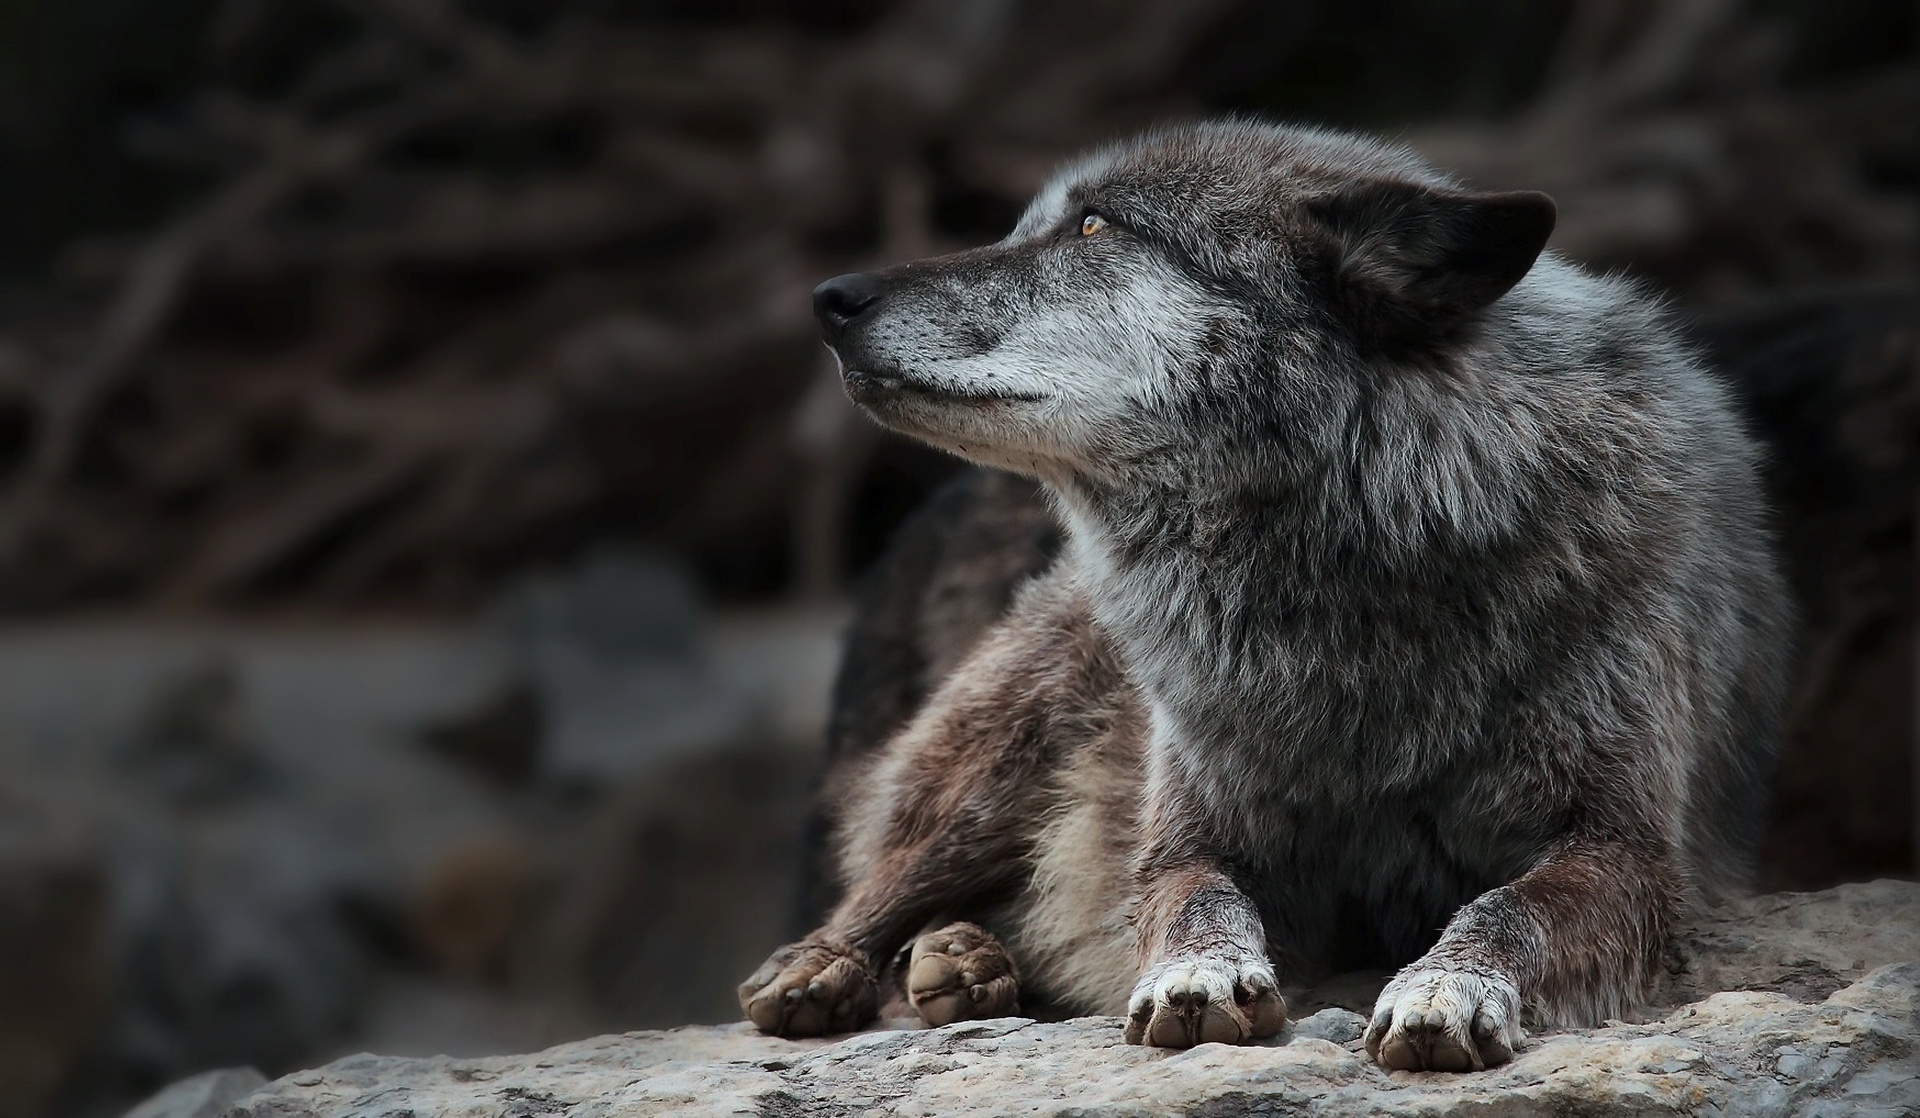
{"points": [[1439, 567]]}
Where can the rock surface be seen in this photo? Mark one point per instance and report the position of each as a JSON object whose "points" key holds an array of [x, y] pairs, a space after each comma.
{"points": [[207, 1095], [1819, 1014]]}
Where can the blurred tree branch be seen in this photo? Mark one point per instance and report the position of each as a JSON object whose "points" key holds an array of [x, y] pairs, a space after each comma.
{"points": [[475, 290]]}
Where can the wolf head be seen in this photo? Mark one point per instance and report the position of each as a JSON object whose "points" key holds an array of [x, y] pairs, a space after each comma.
{"points": [[1175, 306]]}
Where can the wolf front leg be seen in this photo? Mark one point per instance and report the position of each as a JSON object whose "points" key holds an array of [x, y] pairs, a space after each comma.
{"points": [[945, 814], [1577, 938], [830, 981], [1207, 976], [926, 835]]}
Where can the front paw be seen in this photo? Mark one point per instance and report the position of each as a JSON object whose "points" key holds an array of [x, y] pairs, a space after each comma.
{"points": [[1445, 1020], [811, 988], [1196, 999], [961, 972]]}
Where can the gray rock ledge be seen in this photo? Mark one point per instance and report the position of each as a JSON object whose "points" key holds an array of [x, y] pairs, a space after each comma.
{"points": [[1821, 1017]]}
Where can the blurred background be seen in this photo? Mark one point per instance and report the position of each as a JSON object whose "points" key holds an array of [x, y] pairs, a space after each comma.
{"points": [[427, 513]]}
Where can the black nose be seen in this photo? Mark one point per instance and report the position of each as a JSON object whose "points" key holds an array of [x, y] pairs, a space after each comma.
{"points": [[837, 302]]}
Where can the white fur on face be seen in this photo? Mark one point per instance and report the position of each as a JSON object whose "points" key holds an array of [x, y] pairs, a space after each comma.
{"points": [[1089, 352]]}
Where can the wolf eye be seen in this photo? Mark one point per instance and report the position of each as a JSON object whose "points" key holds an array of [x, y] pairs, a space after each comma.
{"points": [[1091, 224]]}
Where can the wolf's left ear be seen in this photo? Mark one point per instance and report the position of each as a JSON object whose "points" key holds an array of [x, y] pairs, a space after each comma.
{"points": [[1429, 256]]}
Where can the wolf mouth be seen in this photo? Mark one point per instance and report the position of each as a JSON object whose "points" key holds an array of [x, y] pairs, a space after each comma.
{"points": [[865, 387]]}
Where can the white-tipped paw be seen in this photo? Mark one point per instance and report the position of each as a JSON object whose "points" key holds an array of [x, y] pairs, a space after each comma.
{"points": [[1196, 999], [1444, 1020]]}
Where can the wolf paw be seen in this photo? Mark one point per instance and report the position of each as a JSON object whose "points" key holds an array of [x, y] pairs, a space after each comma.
{"points": [[961, 973], [1445, 1020], [1196, 999], [811, 988]]}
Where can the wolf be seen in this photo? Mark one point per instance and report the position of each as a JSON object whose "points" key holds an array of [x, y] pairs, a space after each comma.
{"points": [[1413, 602]]}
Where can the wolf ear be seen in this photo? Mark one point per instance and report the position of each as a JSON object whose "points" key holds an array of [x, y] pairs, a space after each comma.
{"points": [[1414, 259]]}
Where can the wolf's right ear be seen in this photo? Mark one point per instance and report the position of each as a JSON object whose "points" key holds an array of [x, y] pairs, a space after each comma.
{"points": [[1413, 260]]}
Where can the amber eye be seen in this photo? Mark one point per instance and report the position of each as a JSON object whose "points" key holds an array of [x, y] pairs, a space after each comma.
{"points": [[1091, 224]]}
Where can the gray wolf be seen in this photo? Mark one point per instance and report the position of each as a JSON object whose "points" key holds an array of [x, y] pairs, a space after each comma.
{"points": [[1414, 603]]}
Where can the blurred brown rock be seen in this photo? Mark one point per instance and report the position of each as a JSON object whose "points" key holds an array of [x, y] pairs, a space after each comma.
{"points": [[55, 968], [473, 905], [679, 883]]}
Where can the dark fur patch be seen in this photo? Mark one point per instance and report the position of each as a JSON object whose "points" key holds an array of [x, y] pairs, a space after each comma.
{"points": [[1409, 266]]}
